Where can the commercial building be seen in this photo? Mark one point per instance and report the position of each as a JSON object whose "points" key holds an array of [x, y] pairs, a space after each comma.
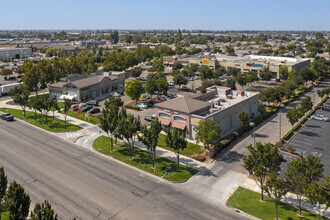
{"points": [[83, 88], [15, 53], [251, 62], [220, 104]]}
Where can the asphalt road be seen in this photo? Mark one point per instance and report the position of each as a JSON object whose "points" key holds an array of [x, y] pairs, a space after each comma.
{"points": [[87, 185]]}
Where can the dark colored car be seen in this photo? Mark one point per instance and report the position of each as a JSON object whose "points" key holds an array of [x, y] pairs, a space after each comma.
{"points": [[7, 117], [2, 116], [86, 108], [150, 103], [94, 110], [184, 88], [93, 102]]}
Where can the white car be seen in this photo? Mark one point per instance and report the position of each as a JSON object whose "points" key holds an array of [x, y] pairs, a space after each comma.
{"points": [[319, 117], [142, 105], [115, 94], [170, 83]]}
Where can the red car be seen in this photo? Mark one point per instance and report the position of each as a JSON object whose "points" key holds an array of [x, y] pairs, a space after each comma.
{"points": [[160, 100]]}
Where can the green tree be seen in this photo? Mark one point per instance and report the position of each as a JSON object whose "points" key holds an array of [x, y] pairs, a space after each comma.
{"points": [[66, 109], [262, 160], [54, 106], [205, 72], [151, 84], [301, 172], [46, 106], [177, 66], [243, 118], [176, 139], [162, 85], [136, 38], [180, 79], [208, 133], [3, 185], [157, 65], [306, 104], [110, 117], [135, 72], [251, 77], [293, 114], [284, 71], [292, 74], [128, 38], [276, 188], [306, 74], [317, 195], [150, 138], [231, 83], [17, 201], [36, 105], [265, 74], [134, 89], [20, 95], [240, 79], [114, 37], [43, 212], [6, 72]]}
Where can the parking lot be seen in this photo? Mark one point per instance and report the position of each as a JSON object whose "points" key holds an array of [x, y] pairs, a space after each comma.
{"points": [[313, 138]]}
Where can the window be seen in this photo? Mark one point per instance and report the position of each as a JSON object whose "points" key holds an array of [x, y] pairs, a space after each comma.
{"points": [[164, 115], [179, 118]]}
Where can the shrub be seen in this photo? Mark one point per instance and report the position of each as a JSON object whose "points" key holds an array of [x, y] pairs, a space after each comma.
{"points": [[132, 107], [291, 148], [279, 144]]}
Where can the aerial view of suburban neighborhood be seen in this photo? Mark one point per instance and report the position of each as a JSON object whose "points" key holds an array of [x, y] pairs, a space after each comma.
{"points": [[165, 110]]}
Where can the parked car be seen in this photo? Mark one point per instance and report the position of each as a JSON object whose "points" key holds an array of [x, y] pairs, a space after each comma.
{"points": [[86, 108], [172, 95], [115, 94], [93, 102], [150, 118], [142, 105], [144, 97], [143, 78], [160, 99], [319, 117], [150, 103], [184, 88], [3, 115], [94, 111], [170, 83], [75, 107]]}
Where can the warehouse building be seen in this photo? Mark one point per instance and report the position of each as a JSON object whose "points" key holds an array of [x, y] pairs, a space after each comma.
{"points": [[251, 63], [83, 88], [220, 104], [15, 53]]}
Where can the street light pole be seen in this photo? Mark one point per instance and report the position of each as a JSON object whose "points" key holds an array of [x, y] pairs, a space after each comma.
{"points": [[254, 133]]}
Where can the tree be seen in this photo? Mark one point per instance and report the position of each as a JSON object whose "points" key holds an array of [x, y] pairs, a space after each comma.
{"points": [[306, 74], [262, 160], [6, 72], [135, 72], [110, 117], [134, 89], [265, 74], [114, 37], [32, 77], [151, 84], [208, 133], [292, 74], [276, 187], [21, 96], [176, 139], [162, 85], [180, 79], [251, 76], [317, 195], [293, 114], [301, 172], [150, 138], [240, 79], [243, 118], [157, 65], [66, 109], [43, 212], [231, 83], [36, 105], [177, 66], [55, 106], [3, 184], [205, 72], [17, 201], [128, 38], [46, 106], [284, 72], [136, 38], [306, 104]]}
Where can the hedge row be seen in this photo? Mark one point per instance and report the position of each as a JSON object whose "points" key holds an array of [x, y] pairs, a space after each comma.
{"points": [[132, 107], [298, 125]]}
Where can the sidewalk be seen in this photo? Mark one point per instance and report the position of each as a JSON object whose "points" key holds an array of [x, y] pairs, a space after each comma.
{"points": [[290, 198]]}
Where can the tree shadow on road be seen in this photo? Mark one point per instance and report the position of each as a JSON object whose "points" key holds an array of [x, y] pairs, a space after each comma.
{"points": [[231, 157]]}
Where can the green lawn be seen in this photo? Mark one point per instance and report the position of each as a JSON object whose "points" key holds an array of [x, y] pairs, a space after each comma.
{"points": [[91, 120], [141, 160], [4, 215], [56, 125], [192, 149], [248, 201]]}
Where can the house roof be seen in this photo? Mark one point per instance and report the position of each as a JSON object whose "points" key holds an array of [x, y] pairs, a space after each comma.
{"points": [[184, 104], [91, 81], [58, 84]]}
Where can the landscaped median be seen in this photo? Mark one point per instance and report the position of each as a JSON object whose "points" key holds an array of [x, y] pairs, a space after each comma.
{"points": [[192, 150], [249, 202], [141, 160], [55, 125], [92, 119]]}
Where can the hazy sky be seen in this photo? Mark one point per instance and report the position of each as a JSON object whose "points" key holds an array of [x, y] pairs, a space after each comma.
{"points": [[166, 14]]}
